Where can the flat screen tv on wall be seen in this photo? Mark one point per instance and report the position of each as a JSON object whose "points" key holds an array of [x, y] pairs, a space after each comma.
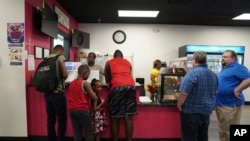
{"points": [[46, 21]]}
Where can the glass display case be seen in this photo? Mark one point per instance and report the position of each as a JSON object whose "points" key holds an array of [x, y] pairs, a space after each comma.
{"points": [[170, 83], [182, 62]]}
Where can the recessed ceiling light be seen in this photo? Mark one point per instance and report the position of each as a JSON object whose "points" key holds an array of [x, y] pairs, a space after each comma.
{"points": [[244, 16], [137, 13]]}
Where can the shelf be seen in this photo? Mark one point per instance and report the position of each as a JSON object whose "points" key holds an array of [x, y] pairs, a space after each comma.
{"points": [[171, 87]]}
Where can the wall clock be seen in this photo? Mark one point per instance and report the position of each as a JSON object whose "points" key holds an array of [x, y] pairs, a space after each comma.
{"points": [[119, 36]]}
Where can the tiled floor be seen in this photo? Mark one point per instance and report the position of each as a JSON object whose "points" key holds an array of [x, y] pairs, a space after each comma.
{"points": [[213, 127]]}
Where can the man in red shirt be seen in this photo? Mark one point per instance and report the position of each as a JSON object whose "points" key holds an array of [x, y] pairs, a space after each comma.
{"points": [[122, 99]]}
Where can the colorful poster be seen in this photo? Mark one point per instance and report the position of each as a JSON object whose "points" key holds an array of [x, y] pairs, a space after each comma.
{"points": [[16, 56], [15, 33]]}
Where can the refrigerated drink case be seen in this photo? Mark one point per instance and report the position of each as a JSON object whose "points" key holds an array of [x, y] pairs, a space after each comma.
{"points": [[214, 54]]}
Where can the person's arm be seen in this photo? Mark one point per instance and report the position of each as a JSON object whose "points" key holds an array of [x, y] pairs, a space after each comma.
{"points": [[181, 99], [100, 105], [64, 72], [152, 76], [243, 85], [91, 94], [107, 74]]}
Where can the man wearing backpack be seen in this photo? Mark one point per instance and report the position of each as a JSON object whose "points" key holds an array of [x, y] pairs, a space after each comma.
{"points": [[56, 100]]}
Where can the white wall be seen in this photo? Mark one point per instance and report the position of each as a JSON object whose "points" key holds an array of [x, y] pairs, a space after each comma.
{"points": [[147, 45], [13, 119]]}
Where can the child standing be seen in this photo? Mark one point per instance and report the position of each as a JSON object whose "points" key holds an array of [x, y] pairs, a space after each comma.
{"points": [[98, 117], [79, 95]]}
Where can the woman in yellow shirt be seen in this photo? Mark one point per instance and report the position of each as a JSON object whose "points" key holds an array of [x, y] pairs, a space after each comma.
{"points": [[154, 78], [155, 71]]}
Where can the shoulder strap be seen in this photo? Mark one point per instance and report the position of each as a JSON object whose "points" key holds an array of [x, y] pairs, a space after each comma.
{"points": [[57, 56]]}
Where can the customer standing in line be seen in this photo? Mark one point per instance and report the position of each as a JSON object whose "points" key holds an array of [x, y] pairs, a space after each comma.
{"points": [[56, 101], [99, 119], [233, 79], [122, 99], [79, 95], [197, 99]]}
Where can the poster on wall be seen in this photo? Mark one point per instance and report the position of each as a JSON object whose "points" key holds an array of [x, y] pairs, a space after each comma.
{"points": [[15, 38], [15, 32], [16, 56]]}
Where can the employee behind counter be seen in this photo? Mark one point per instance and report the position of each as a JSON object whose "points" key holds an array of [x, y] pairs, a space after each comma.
{"points": [[93, 66], [96, 71], [153, 87]]}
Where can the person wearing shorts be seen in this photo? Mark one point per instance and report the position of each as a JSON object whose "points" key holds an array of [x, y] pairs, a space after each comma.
{"points": [[122, 98]]}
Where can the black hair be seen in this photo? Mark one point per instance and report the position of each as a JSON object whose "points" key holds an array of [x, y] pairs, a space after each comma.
{"points": [[92, 53], [58, 47], [156, 62], [82, 69], [118, 54], [94, 81]]}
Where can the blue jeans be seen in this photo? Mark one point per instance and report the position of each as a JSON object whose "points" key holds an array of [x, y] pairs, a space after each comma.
{"points": [[81, 120], [56, 109], [194, 127]]}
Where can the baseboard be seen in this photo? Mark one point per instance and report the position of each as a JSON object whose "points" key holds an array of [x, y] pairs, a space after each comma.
{"points": [[247, 102], [13, 139], [42, 138]]}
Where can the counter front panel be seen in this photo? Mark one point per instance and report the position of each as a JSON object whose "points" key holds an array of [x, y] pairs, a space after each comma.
{"points": [[151, 122]]}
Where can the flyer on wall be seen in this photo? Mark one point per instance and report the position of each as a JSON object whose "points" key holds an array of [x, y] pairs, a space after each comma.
{"points": [[15, 38], [16, 56]]}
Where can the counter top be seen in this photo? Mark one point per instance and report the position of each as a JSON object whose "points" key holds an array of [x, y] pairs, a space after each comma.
{"points": [[166, 104]]}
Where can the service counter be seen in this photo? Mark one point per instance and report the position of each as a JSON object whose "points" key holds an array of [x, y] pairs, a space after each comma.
{"points": [[153, 121]]}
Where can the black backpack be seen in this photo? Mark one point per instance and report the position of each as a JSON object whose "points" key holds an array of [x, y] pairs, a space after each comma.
{"points": [[45, 77]]}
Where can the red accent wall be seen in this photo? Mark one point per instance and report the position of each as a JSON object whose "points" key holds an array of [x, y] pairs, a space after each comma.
{"points": [[34, 37], [36, 114]]}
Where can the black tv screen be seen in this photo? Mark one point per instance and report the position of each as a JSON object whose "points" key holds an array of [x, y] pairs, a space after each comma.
{"points": [[80, 39], [46, 20]]}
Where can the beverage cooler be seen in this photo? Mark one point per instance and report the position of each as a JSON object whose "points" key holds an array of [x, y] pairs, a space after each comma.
{"points": [[214, 54]]}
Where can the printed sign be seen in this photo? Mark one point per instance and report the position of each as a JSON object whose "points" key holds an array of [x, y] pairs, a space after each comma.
{"points": [[15, 33]]}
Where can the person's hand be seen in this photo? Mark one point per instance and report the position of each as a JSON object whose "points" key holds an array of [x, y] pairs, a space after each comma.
{"points": [[108, 85], [102, 100], [156, 85], [179, 106], [237, 94]]}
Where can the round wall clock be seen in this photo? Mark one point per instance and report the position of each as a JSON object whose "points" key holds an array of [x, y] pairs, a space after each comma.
{"points": [[119, 36]]}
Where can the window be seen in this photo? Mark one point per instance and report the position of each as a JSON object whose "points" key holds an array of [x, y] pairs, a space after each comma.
{"points": [[59, 40], [62, 39]]}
